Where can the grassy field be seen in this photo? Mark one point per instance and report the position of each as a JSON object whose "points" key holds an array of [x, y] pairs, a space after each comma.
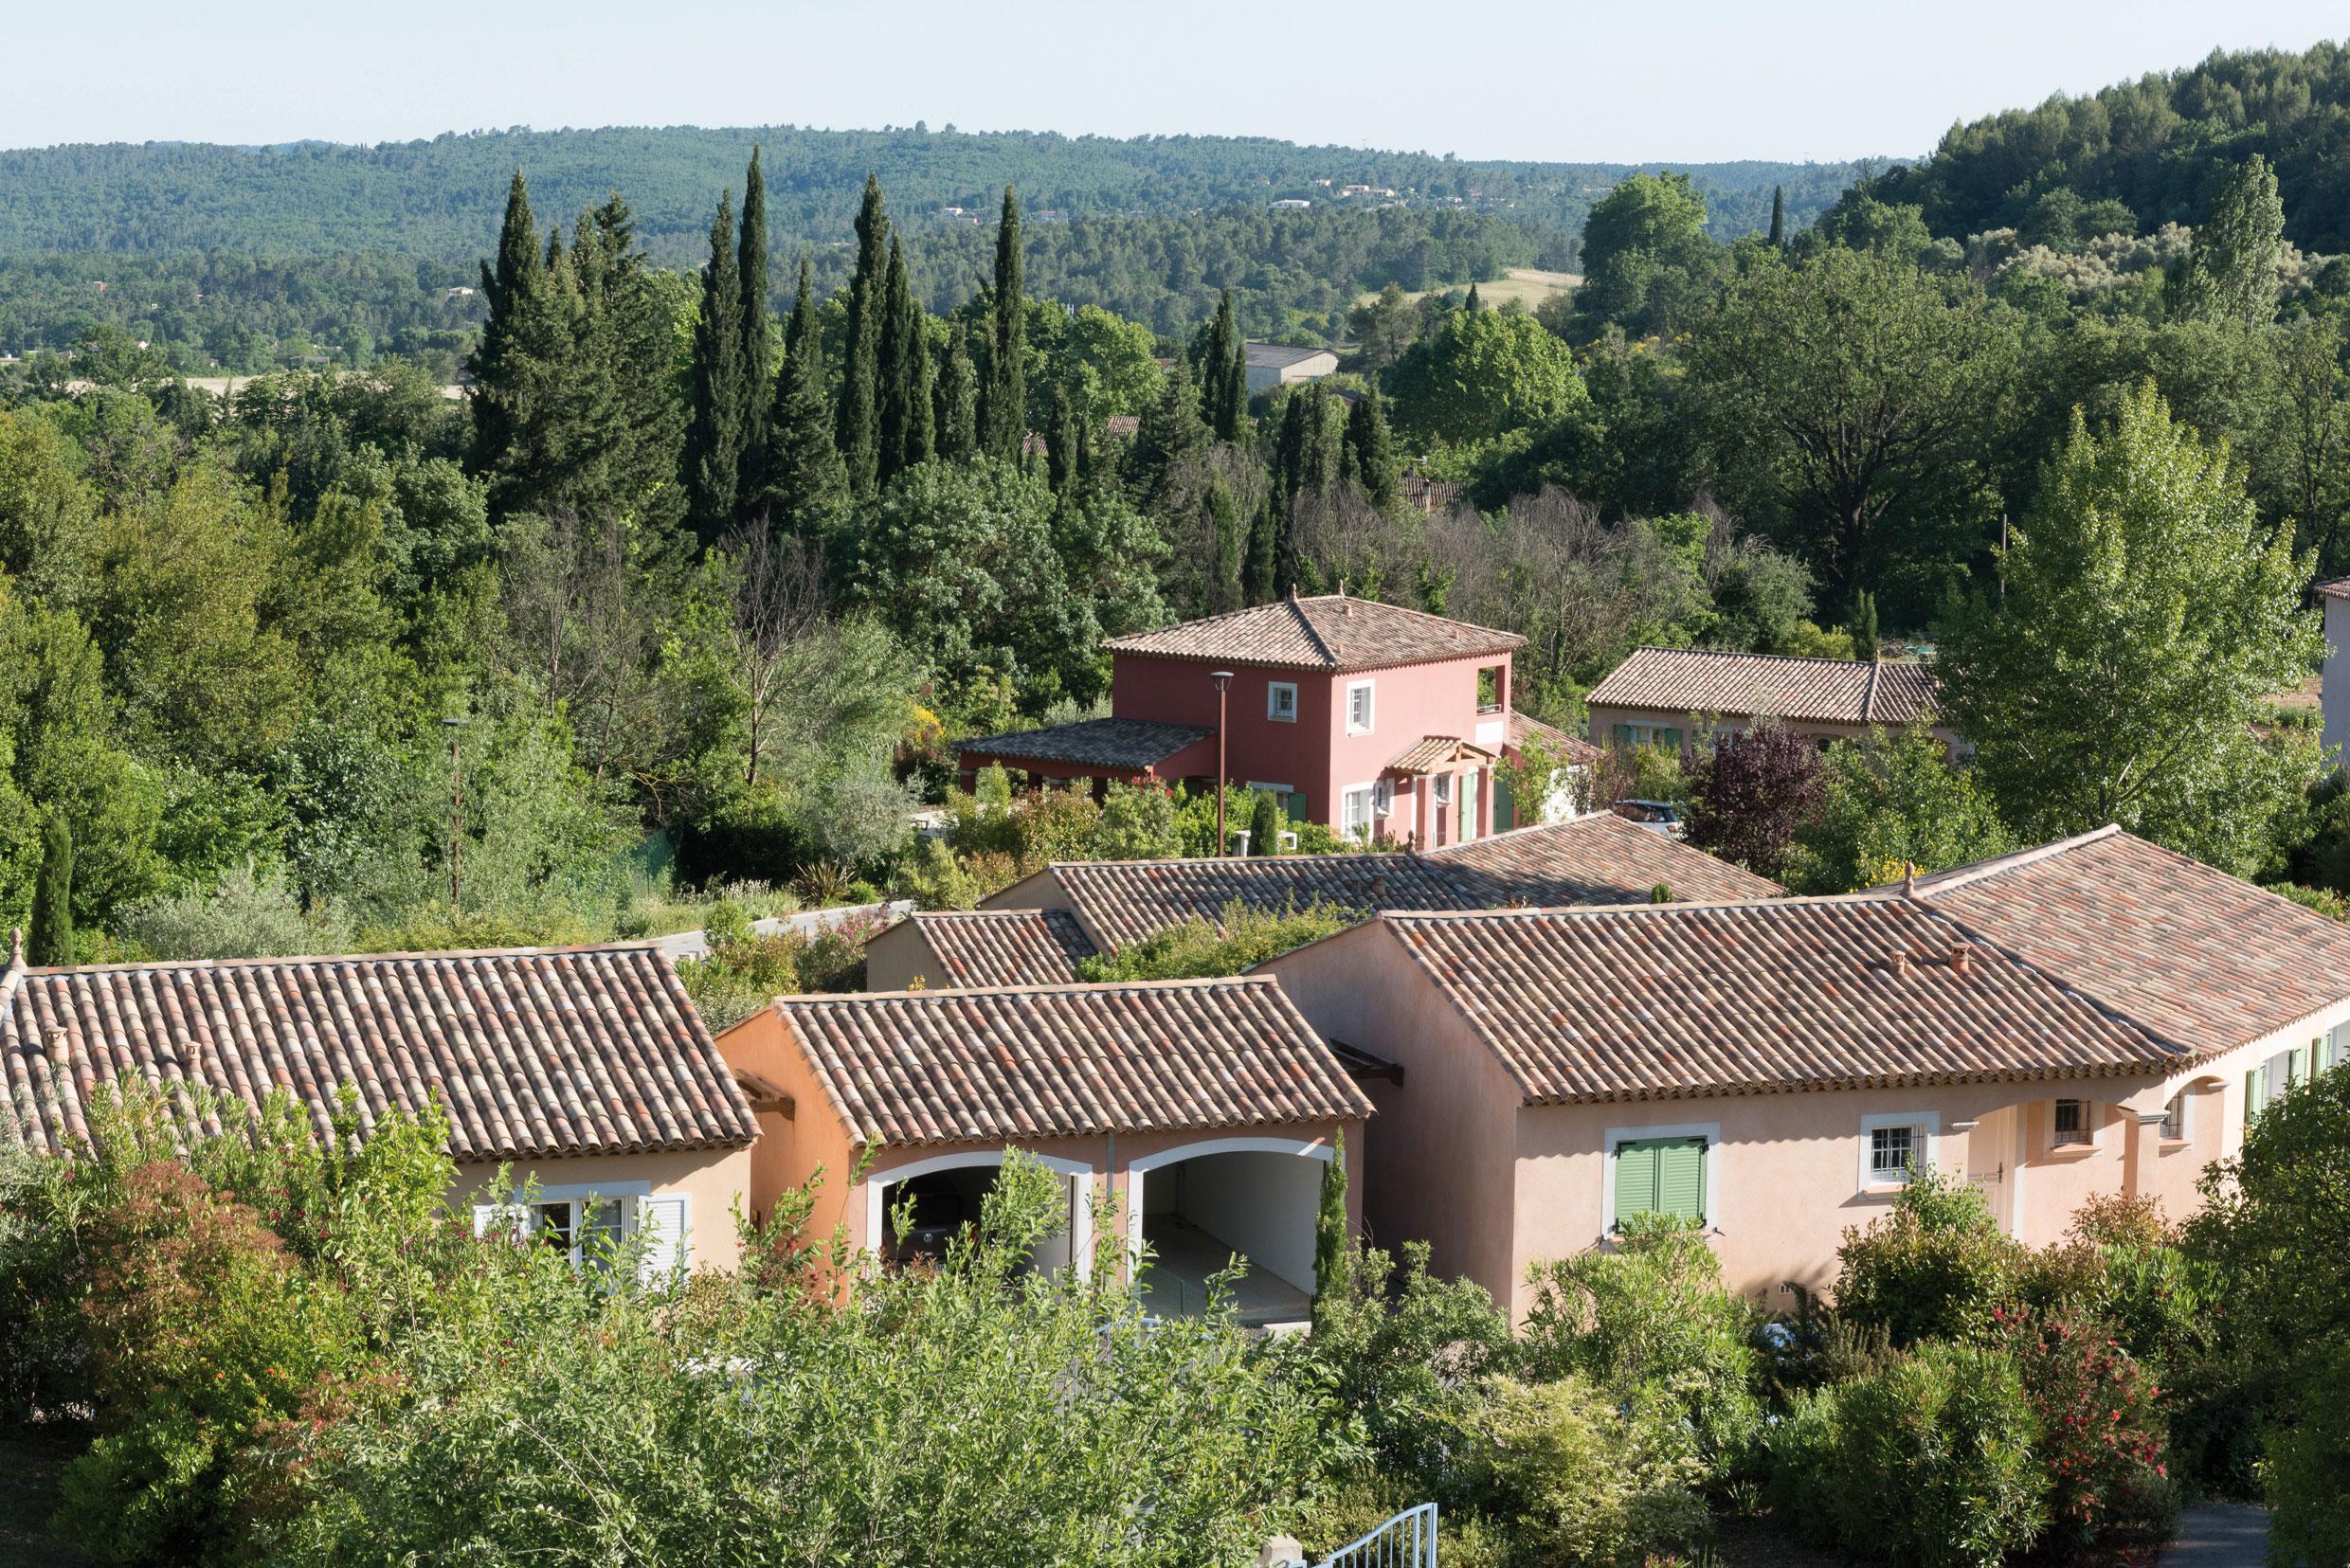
{"points": [[1529, 284], [28, 1465]]}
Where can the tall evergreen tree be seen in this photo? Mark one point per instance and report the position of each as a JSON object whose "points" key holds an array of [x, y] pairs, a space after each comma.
{"points": [[1224, 373], [512, 286], [758, 357], [1165, 438], [954, 404], [1060, 444], [802, 465], [1779, 217], [1257, 571], [2230, 271], [1003, 396], [716, 436], [52, 940], [1333, 1257], [630, 320], [1474, 304], [905, 373], [1370, 455], [861, 373]]}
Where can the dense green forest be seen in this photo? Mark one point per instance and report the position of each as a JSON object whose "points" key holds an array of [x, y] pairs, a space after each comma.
{"points": [[439, 198], [2158, 147]]}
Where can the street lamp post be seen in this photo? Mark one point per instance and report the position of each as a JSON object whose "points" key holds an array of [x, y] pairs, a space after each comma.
{"points": [[1222, 680], [457, 814]]}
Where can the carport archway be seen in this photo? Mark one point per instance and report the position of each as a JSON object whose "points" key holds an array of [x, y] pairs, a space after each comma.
{"points": [[1199, 1203], [977, 1167]]}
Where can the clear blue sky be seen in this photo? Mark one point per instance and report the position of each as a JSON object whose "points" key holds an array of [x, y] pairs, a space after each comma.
{"points": [[1535, 79]]}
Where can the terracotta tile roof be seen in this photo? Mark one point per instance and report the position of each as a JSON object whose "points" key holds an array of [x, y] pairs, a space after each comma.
{"points": [[1834, 691], [1573, 748], [1102, 743], [2337, 589], [1436, 751], [2192, 954], [1121, 902], [1663, 1001], [1591, 859], [932, 1066], [1005, 947], [1333, 632], [536, 1052], [1596, 859]]}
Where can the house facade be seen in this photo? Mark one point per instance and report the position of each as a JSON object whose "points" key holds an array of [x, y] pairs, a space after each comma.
{"points": [[2334, 682], [1194, 1118], [1377, 720], [1271, 365], [2098, 1017], [583, 1071], [1675, 696]]}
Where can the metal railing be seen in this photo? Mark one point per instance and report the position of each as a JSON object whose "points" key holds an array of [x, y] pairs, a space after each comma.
{"points": [[1407, 1540]]}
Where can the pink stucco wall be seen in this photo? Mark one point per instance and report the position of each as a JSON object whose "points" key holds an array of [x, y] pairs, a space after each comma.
{"points": [[714, 1183], [1314, 754]]}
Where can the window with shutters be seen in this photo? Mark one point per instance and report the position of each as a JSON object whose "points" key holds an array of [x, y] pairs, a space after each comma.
{"points": [[1660, 1175], [2072, 1126], [590, 1227]]}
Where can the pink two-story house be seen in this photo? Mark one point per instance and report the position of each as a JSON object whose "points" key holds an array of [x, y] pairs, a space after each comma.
{"points": [[1378, 720]]}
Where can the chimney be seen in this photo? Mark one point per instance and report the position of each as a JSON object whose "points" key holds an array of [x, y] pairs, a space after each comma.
{"points": [[17, 946], [1379, 888], [1963, 961], [1901, 966], [1909, 878]]}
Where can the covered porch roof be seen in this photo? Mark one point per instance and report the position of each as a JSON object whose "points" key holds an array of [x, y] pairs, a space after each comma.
{"points": [[1439, 754]]}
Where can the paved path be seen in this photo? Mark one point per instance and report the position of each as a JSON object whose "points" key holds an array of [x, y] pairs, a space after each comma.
{"points": [[2220, 1535], [695, 945]]}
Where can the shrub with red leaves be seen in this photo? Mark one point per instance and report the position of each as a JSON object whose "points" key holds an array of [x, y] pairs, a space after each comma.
{"points": [[1750, 794], [2101, 1432]]}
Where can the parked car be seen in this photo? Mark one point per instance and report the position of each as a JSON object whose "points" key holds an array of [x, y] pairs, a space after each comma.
{"points": [[1656, 816]]}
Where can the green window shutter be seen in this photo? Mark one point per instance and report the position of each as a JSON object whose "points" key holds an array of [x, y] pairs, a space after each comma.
{"points": [[1670, 738], [1622, 733], [1635, 1180], [1298, 806], [1681, 1179], [2255, 1092], [2297, 1065]]}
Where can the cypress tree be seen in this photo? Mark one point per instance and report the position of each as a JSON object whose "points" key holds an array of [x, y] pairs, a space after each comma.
{"points": [[715, 437], [954, 410], [802, 465], [1264, 824], [1168, 434], [510, 286], [1004, 397], [1474, 304], [1779, 217], [1317, 465], [1256, 572], [1864, 627], [52, 940], [860, 375], [758, 359], [1060, 444], [633, 326], [905, 373], [1223, 394], [1333, 1261], [1370, 453]]}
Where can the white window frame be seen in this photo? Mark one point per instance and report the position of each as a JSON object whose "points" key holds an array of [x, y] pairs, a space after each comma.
{"points": [[1275, 690], [1369, 795], [1710, 1132], [2178, 1124], [1370, 712], [1383, 798], [2091, 1126], [1926, 1127], [516, 1213], [1440, 788], [1471, 796]]}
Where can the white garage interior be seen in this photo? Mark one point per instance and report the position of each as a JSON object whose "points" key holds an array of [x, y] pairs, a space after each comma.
{"points": [[947, 1194], [1200, 1205]]}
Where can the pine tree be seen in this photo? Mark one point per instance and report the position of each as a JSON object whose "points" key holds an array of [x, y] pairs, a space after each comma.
{"points": [[860, 374], [1257, 571], [954, 414], [1060, 444], [1474, 303], [1224, 396], [510, 286], [802, 465], [1333, 1258], [1370, 452], [1779, 217], [758, 358], [1003, 396], [714, 437], [1167, 437], [52, 940]]}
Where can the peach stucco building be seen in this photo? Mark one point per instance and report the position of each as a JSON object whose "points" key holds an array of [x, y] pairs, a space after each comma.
{"points": [[1675, 697], [583, 1072], [2092, 1016], [1196, 1117]]}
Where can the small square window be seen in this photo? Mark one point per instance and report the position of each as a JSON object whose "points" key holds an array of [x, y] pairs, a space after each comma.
{"points": [[2175, 1119], [1383, 798], [1281, 701], [1444, 789], [1359, 708], [1893, 1154], [2072, 1127]]}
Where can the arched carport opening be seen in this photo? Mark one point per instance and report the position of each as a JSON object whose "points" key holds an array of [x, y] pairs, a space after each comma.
{"points": [[1198, 1205], [945, 1192]]}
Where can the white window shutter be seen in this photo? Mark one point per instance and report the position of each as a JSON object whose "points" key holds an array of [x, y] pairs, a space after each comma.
{"points": [[484, 1217], [666, 1235]]}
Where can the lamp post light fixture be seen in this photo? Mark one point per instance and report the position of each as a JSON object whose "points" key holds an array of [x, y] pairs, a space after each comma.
{"points": [[1223, 680]]}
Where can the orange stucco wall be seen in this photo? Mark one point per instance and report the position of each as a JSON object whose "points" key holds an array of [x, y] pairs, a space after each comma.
{"points": [[897, 958], [715, 1181]]}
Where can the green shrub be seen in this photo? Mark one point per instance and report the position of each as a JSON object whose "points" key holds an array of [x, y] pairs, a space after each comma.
{"points": [[2099, 1442], [1573, 1476], [1265, 823], [1650, 1319], [1937, 1267], [2307, 1458], [1198, 947], [1926, 1463]]}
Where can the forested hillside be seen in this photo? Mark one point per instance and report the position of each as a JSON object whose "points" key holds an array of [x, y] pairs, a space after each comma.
{"points": [[2159, 147], [439, 198]]}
